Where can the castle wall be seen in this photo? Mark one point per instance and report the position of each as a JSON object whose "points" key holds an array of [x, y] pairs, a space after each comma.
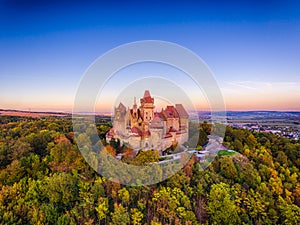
{"points": [[134, 142], [184, 123], [156, 138], [167, 142], [120, 126], [172, 122], [181, 138]]}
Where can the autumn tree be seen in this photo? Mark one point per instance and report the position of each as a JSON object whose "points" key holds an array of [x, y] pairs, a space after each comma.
{"points": [[220, 207]]}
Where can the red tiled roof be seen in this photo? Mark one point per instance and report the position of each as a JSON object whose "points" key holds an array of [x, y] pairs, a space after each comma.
{"points": [[181, 111], [147, 97], [147, 94], [146, 133], [167, 135], [161, 115], [148, 100], [156, 122], [136, 131], [170, 112]]}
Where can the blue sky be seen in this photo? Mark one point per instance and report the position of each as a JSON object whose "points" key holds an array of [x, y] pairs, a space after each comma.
{"points": [[251, 47]]}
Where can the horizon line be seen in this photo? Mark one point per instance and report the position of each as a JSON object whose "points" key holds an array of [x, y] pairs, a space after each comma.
{"points": [[49, 111]]}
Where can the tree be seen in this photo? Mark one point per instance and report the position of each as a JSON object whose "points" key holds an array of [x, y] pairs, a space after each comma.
{"points": [[282, 158], [148, 156], [124, 195], [115, 143], [172, 205], [238, 146], [120, 215], [136, 216], [250, 140], [109, 149], [202, 137], [290, 213], [65, 157], [61, 189], [64, 220], [249, 175], [50, 213], [87, 201], [20, 149], [3, 156], [255, 206], [39, 141], [227, 168], [102, 208], [220, 207], [83, 141]]}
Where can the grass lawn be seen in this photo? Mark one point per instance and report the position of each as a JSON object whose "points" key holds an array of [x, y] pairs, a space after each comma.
{"points": [[226, 152]]}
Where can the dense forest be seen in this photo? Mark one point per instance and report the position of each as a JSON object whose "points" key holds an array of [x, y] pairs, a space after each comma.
{"points": [[45, 180]]}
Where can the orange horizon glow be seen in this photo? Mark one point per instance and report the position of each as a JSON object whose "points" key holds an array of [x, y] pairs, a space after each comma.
{"points": [[231, 106], [235, 99]]}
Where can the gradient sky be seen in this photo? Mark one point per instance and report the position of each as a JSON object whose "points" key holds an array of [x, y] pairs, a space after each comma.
{"points": [[252, 48]]}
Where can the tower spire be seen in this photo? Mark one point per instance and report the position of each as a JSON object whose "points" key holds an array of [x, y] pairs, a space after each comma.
{"points": [[134, 104]]}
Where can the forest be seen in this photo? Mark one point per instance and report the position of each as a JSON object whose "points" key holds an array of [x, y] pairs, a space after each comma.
{"points": [[45, 180]]}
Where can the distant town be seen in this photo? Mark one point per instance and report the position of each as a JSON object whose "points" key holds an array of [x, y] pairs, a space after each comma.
{"points": [[285, 124]]}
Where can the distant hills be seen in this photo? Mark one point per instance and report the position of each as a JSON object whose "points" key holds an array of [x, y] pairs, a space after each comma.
{"points": [[231, 115], [278, 114], [256, 114], [12, 112]]}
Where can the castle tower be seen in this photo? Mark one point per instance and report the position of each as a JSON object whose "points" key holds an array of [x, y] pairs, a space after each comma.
{"points": [[135, 115], [156, 130], [134, 106], [147, 107], [120, 118]]}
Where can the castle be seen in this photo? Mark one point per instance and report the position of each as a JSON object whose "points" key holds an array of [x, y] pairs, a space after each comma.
{"points": [[142, 127]]}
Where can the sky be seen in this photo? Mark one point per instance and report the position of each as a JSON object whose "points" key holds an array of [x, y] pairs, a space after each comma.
{"points": [[251, 47]]}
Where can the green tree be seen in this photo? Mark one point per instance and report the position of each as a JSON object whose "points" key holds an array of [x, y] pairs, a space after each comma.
{"points": [[290, 213], [255, 205], [39, 141], [102, 208], [4, 161], [172, 205], [148, 156], [227, 168], [20, 149], [61, 189], [120, 215], [136, 216], [124, 195], [282, 158], [220, 207]]}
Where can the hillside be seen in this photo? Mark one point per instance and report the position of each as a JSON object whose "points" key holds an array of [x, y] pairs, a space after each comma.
{"points": [[45, 180]]}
